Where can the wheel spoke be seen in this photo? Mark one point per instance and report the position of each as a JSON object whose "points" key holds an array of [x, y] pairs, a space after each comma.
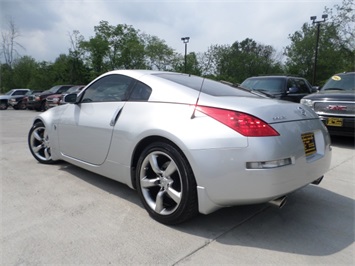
{"points": [[159, 207], [175, 195], [154, 163], [47, 153], [170, 169], [37, 136], [146, 183], [37, 148]]}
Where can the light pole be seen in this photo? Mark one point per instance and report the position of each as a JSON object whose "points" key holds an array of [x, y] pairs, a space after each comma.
{"points": [[185, 41], [313, 18]]}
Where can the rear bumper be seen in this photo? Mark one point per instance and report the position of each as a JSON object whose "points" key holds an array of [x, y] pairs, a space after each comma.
{"points": [[225, 180]]}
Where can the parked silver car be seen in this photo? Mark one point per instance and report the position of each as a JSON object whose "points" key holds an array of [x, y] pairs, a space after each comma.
{"points": [[186, 143]]}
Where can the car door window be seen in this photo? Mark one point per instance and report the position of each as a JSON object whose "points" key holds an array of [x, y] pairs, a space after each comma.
{"points": [[110, 88], [141, 92], [302, 86], [19, 92]]}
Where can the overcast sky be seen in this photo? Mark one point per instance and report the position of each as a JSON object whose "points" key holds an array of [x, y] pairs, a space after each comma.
{"points": [[44, 25]]}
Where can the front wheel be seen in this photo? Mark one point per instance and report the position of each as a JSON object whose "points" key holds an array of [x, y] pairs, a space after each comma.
{"points": [[166, 185], [39, 144], [3, 105]]}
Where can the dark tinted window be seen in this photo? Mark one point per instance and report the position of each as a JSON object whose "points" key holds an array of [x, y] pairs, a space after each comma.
{"points": [[273, 85], [141, 92], [109, 88], [301, 84], [210, 87], [19, 92]]}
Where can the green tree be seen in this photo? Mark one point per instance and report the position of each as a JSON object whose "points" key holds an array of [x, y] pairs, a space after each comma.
{"points": [[114, 47], [78, 72], [158, 55], [23, 70], [241, 60], [336, 45], [6, 78]]}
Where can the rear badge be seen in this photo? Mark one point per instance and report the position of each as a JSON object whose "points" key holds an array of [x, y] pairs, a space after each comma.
{"points": [[301, 110], [278, 118]]}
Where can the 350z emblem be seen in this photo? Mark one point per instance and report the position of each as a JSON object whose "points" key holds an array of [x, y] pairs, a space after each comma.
{"points": [[276, 118]]}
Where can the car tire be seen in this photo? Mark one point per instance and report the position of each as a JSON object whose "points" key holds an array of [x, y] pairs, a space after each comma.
{"points": [[3, 105], [166, 184], [39, 143], [21, 106]]}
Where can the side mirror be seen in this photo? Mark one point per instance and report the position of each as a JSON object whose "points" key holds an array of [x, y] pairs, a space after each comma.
{"points": [[293, 90], [70, 98], [315, 89]]}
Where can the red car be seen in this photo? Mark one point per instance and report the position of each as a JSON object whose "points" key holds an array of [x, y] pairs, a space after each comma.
{"points": [[56, 99]]}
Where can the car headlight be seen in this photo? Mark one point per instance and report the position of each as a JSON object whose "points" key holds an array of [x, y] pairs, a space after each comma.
{"points": [[307, 102]]}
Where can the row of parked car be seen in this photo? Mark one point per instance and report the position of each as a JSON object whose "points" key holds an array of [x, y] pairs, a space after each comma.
{"points": [[21, 99], [334, 102]]}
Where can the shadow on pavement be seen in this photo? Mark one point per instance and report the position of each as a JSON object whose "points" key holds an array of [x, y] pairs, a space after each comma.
{"points": [[343, 142], [314, 221]]}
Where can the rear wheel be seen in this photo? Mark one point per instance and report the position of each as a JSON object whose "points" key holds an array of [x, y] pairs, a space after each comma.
{"points": [[39, 144], [166, 185], [21, 106]]}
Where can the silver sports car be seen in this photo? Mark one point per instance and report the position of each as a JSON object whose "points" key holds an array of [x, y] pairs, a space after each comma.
{"points": [[187, 144]]}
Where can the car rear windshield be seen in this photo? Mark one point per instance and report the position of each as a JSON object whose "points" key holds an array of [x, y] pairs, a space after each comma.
{"points": [[265, 84], [210, 87]]}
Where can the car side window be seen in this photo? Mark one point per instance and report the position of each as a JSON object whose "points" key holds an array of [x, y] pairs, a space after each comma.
{"points": [[111, 88], [19, 92], [141, 92], [303, 86], [298, 86]]}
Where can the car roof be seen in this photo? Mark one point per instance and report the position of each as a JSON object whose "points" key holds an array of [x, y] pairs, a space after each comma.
{"points": [[275, 76]]}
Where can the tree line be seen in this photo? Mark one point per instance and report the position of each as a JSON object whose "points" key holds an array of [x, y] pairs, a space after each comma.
{"points": [[124, 47]]}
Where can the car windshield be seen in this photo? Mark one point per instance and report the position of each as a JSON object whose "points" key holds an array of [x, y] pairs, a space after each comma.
{"points": [[341, 82], [9, 92], [210, 87], [54, 89], [272, 85], [74, 89]]}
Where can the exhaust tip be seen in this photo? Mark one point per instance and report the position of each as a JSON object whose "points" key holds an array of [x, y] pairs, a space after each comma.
{"points": [[279, 202], [317, 181]]}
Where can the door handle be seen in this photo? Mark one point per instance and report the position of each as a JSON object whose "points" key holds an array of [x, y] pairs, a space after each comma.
{"points": [[115, 117]]}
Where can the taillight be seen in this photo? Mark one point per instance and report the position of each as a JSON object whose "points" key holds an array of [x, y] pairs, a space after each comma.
{"points": [[245, 124]]}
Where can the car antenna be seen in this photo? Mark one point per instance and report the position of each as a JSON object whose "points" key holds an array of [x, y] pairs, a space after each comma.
{"points": [[198, 98]]}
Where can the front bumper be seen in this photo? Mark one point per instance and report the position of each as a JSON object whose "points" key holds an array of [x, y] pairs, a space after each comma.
{"points": [[346, 128]]}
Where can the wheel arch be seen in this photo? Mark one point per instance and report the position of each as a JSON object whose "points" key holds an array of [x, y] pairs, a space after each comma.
{"points": [[142, 145]]}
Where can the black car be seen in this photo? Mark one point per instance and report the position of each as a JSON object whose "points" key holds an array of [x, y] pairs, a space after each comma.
{"points": [[38, 101], [335, 104], [289, 88]]}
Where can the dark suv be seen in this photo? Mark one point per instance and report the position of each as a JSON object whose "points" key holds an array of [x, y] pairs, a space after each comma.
{"points": [[38, 101], [335, 104], [287, 88]]}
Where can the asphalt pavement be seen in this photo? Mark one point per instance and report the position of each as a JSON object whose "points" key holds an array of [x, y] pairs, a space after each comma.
{"points": [[60, 215]]}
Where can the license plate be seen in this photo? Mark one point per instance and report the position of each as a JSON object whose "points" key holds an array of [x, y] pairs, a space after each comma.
{"points": [[309, 143], [335, 122]]}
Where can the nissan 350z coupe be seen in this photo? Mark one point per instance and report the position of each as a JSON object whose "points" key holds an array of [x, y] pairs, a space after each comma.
{"points": [[187, 144]]}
